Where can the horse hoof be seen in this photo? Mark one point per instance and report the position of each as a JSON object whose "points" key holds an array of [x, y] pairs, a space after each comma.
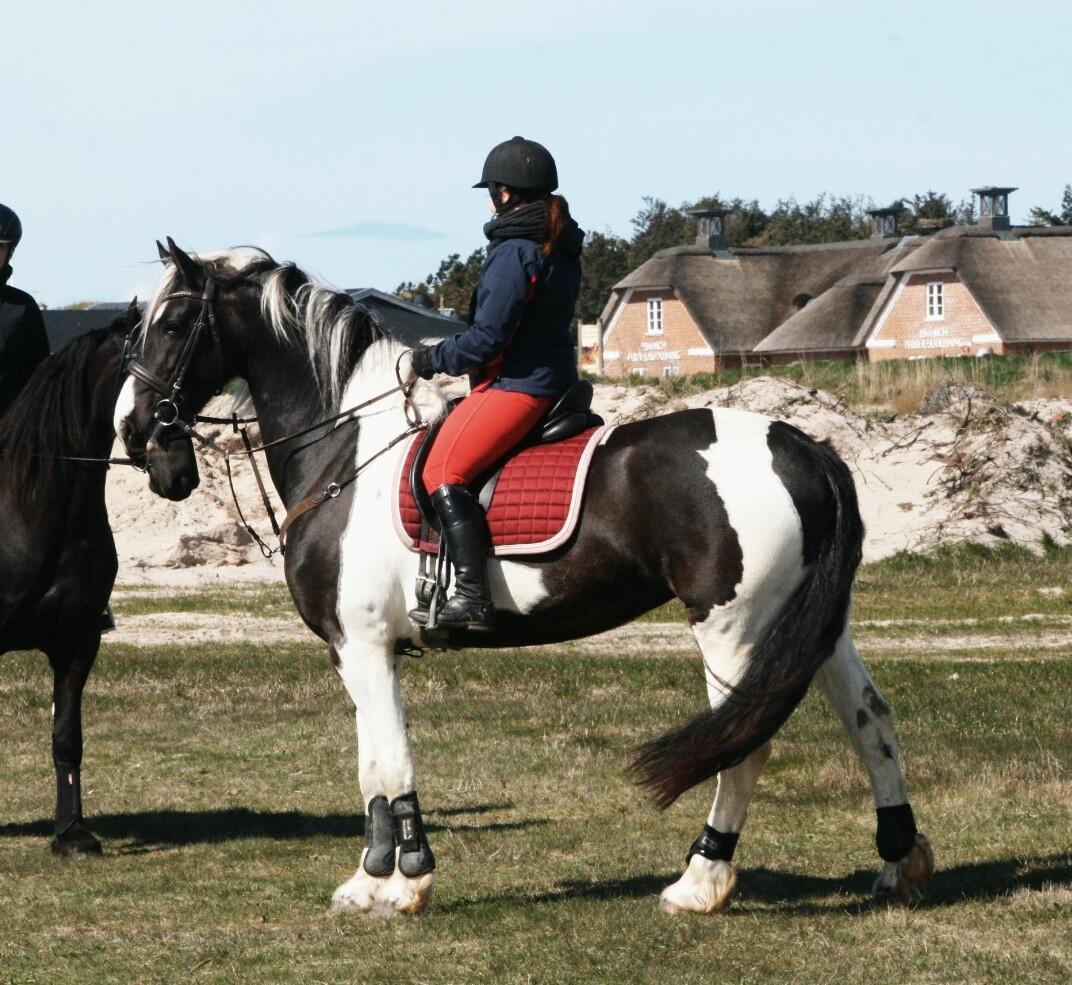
{"points": [[358, 894], [705, 887], [906, 882], [405, 896], [76, 842]]}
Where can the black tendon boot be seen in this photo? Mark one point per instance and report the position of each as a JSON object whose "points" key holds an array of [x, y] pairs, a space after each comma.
{"points": [[465, 531]]}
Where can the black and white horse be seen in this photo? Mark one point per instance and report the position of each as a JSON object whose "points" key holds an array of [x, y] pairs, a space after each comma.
{"points": [[750, 523], [57, 555]]}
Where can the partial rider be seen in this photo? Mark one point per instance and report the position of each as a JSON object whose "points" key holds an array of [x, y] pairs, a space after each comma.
{"points": [[518, 352]]}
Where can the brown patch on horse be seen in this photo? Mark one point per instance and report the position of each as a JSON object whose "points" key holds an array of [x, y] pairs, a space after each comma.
{"points": [[698, 613]]}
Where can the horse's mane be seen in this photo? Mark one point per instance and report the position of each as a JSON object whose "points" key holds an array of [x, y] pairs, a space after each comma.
{"points": [[53, 416], [334, 330]]}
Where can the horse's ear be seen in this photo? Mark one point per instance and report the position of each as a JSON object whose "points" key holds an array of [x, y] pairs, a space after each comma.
{"points": [[188, 266], [164, 255], [133, 315]]}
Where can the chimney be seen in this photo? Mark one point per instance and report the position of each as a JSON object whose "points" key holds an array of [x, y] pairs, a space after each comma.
{"points": [[994, 207], [884, 221], [711, 228]]}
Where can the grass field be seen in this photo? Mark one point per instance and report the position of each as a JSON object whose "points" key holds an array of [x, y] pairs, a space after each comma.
{"points": [[223, 782], [895, 385]]}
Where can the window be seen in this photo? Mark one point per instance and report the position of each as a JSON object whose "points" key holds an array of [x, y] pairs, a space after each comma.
{"points": [[670, 369], [655, 316], [935, 302], [638, 371]]}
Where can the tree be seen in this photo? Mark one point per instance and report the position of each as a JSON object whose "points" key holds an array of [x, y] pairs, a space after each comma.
{"points": [[605, 262], [658, 226], [931, 208], [823, 220], [1042, 217], [452, 285]]}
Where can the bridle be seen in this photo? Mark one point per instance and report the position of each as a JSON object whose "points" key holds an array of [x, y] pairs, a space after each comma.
{"points": [[168, 413]]}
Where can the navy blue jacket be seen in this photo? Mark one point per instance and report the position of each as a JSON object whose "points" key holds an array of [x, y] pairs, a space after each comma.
{"points": [[23, 341], [522, 312]]}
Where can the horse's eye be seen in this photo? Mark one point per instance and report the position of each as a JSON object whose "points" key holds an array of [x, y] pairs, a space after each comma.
{"points": [[174, 331]]}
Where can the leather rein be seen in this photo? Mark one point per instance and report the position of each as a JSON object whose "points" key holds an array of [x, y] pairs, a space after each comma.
{"points": [[168, 413]]}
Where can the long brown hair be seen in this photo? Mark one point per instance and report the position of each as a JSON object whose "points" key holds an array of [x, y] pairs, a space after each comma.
{"points": [[558, 221]]}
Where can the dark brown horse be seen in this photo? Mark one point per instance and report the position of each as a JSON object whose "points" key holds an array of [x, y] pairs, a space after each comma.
{"points": [[57, 555]]}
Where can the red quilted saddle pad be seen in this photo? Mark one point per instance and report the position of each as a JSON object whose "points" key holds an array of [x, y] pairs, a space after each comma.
{"points": [[537, 499]]}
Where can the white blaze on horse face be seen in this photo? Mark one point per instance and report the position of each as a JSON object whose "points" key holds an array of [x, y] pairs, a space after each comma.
{"points": [[124, 405]]}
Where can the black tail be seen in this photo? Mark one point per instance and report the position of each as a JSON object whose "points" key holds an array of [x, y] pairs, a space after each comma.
{"points": [[792, 647]]}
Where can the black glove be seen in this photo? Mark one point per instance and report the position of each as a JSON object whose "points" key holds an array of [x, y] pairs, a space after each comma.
{"points": [[420, 357]]}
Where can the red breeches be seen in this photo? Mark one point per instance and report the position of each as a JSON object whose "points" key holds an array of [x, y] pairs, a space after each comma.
{"points": [[478, 432]]}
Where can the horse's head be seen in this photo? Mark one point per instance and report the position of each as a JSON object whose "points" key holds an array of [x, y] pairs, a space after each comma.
{"points": [[179, 361]]}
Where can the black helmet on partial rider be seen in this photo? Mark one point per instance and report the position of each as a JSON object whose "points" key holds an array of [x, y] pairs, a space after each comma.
{"points": [[521, 164], [10, 228]]}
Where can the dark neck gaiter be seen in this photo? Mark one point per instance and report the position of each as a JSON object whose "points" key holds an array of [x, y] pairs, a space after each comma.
{"points": [[527, 222]]}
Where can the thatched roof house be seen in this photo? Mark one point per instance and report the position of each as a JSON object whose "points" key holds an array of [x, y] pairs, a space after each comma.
{"points": [[965, 290]]}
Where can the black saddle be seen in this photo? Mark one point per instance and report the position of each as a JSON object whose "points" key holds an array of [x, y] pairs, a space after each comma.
{"points": [[570, 415]]}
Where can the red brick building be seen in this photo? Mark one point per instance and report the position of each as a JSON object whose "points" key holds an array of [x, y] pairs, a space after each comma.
{"points": [[990, 288]]}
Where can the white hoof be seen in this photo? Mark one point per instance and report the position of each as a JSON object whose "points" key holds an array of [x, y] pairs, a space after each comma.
{"points": [[705, 887], [358, 894], [404, 896], [906, 881]]}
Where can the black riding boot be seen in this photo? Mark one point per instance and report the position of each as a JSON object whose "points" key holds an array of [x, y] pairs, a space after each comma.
{"points": [[465, 530]]}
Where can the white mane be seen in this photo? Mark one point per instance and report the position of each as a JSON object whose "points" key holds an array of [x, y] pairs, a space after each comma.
{"points": [[334, 331], [326, 321]]}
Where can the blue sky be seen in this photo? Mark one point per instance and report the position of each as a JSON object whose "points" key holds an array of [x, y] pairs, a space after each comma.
{"points": [[345, 136]]}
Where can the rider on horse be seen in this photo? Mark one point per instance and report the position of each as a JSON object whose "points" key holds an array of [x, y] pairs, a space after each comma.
{"points": [[23, 341], [518, 352]]}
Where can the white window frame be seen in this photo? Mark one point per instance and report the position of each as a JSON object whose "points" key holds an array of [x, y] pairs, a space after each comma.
{"points": [[655, 316], [935, 300], [670, 369], [638, 370]]}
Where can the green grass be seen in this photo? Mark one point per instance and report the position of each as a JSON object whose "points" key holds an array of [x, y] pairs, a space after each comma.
{"points": [[260, 599], [897, 384], [967, 581], [222, 779], [994, 587]]}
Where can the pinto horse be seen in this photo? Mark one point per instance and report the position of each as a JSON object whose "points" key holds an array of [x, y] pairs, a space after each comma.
{"points": [[57, 555], [752, 524]]}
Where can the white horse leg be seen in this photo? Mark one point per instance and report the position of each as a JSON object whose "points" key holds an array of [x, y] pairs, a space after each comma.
{"points": [[710, 878], [906, 853], [397, 866]]}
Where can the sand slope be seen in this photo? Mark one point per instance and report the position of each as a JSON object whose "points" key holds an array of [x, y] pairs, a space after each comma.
{"points": [[972, 469]]}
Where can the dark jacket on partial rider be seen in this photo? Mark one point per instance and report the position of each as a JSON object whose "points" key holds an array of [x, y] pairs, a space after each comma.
{"points": [[23, 340], [520, 324]]}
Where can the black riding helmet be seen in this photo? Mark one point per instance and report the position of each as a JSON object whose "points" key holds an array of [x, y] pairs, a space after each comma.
{"points": [[10, 227], [522, 164]]}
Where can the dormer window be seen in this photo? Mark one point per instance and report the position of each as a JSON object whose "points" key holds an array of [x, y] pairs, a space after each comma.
{"points": [[935, 301], [655, 316]]}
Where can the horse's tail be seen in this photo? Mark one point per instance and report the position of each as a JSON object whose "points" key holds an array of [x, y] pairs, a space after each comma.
{"points": [[784, 659]]}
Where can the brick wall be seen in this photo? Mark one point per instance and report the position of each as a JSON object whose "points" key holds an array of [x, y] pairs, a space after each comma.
{"points": [[629, 347], [907, 333]]}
